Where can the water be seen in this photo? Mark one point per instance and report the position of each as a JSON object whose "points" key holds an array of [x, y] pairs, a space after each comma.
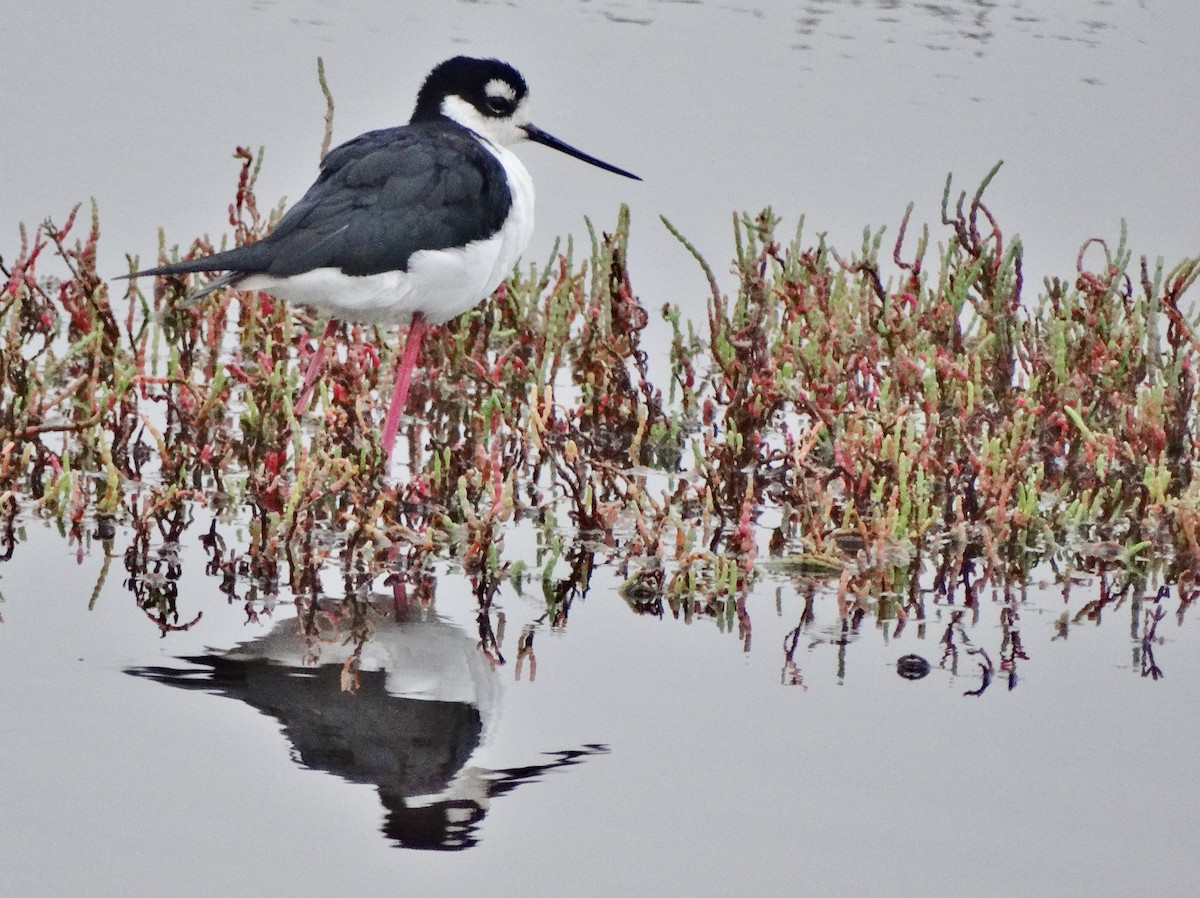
{"points": [[841, 112], [640, 750], [644, 753]]}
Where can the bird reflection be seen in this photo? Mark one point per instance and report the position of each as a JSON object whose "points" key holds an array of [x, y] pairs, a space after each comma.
{"points": [[401, 700]]}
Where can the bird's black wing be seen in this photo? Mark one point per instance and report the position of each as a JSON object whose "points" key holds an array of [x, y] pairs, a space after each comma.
{"points": [[380, 198]]}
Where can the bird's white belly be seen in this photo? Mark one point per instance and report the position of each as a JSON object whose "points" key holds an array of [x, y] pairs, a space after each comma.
{"points": [[440, 284]]}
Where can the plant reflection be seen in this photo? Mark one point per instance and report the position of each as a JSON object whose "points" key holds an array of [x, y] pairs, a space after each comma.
{"points": [[971, 607], [974, 611]]}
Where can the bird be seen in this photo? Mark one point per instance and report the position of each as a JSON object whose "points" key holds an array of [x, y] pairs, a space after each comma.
{"points": [[412, 224]]}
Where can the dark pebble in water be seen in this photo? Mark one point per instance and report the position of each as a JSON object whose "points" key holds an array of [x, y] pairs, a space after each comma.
{"points": [[912, 667]]}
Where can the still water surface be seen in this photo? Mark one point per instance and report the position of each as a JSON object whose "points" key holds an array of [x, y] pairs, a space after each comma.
{"points": [[621, 752]]}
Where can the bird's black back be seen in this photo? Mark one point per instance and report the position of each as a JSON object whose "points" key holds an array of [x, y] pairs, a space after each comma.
{"points": [[380, 198]]}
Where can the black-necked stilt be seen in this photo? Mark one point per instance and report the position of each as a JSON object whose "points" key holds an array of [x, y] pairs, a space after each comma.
{"points": [[417, 223]]}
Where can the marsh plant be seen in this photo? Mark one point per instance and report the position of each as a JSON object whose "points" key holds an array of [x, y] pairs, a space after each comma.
{"points": [[910, 418]]}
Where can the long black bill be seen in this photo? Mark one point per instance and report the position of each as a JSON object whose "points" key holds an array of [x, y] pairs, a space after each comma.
{"points": [[537, 135]]}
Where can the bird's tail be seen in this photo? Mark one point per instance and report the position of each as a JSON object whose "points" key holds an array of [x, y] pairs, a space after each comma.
{"points": [[213, 286], [226, 261]]}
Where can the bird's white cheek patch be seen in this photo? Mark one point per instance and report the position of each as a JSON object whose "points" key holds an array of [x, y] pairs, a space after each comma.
{"points": [[498, 87]]}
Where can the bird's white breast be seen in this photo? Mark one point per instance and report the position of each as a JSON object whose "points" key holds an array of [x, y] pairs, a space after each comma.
{"points": [[440, 284]]}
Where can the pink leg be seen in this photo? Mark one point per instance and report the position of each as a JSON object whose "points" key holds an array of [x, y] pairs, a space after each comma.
{"points": [[315, 364], [412, 346]]}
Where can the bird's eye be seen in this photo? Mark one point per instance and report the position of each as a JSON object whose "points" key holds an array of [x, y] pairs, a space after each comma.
{"points": [[499, 105]]}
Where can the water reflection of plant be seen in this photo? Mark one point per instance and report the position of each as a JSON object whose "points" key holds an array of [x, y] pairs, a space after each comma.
{"points": [[827, 423]]}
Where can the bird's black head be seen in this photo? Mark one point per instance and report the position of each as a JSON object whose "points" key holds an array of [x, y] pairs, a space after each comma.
{"points": [[493, 88], [490, 98]]}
